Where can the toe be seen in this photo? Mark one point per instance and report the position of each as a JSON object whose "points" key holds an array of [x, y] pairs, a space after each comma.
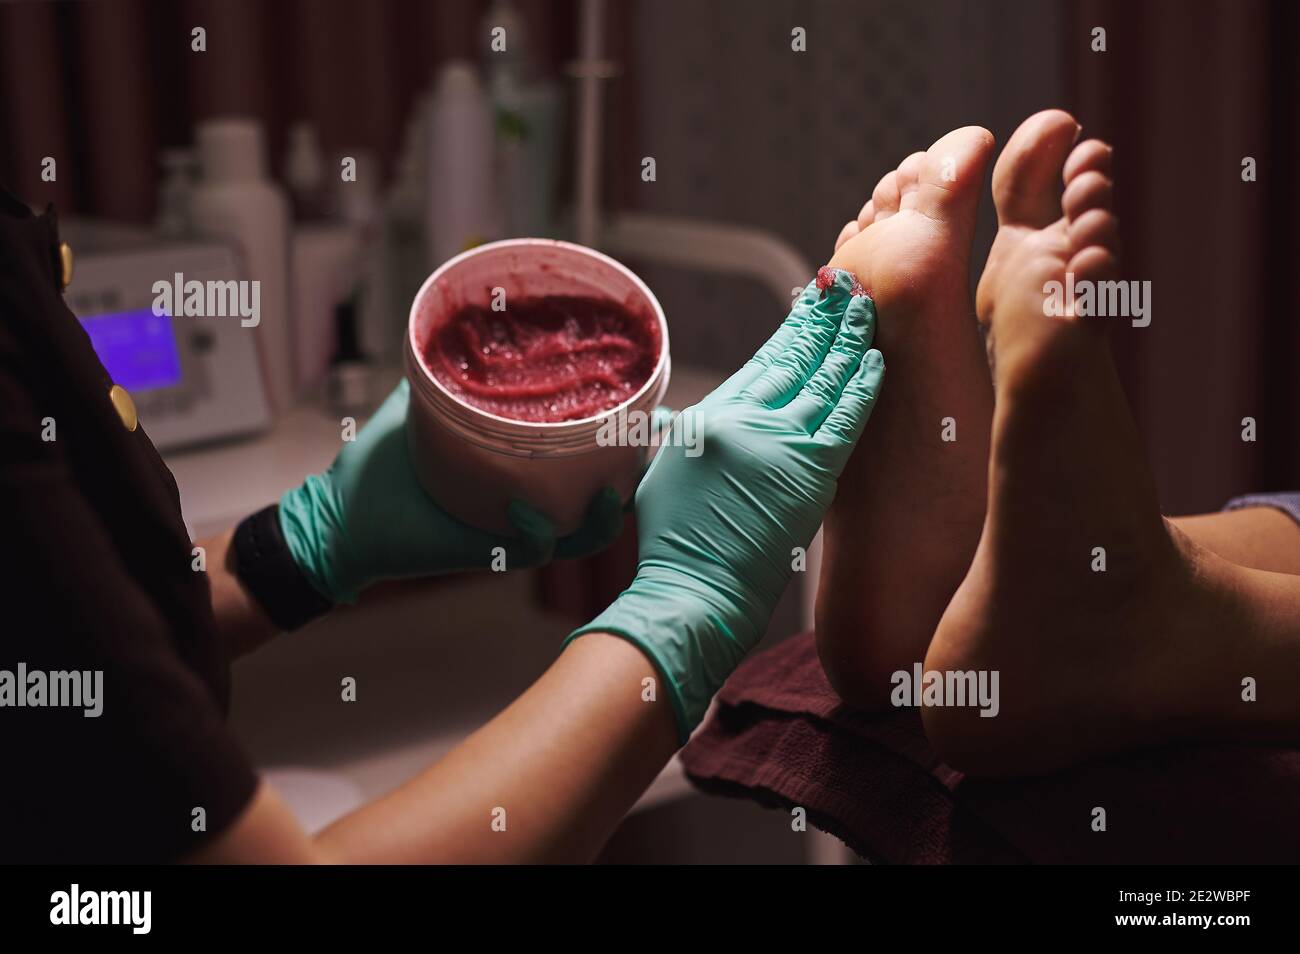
{"points": [[850, 229], [1094, 227], [885, 198], [1094, 263], [1087, 191], [909, 177], [1092, 155], [1027, 175], [951, 173], [867, 215]]}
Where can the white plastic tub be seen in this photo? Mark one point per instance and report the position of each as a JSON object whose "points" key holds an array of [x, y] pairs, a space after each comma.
{"points": [[474, 462]]}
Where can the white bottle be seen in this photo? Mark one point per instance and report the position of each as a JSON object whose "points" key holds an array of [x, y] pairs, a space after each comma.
{"points": [[175, 193], [361, 208], [461, 187], [237, 202], [304, 174], [403, 245], [527, 109], [504, 56]]}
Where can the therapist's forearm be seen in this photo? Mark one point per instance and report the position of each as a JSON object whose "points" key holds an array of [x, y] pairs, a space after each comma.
{"points": [[548, 780], [242, 624]]}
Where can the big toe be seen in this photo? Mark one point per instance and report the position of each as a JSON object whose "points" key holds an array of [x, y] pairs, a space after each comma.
{"points": [[950, 173], [1027, 177]]}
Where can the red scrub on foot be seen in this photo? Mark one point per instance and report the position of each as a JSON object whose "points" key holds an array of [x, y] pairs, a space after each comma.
{"points": [[826, 278], [556, 358]]}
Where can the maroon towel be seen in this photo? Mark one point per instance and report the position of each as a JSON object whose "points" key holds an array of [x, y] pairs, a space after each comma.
{"points": [[781, 736]]}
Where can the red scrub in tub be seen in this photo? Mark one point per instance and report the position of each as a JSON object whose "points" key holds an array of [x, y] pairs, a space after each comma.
{"points": [[547, 359], [512, 403]]}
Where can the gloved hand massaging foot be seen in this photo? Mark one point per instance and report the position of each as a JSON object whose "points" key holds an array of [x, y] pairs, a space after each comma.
{"points": [[717, 528], [574, 752], [367, 519]]}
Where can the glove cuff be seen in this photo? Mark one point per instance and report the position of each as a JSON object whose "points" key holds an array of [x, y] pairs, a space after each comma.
{"points": [[687, 640], [267, 568], [310, 519]]}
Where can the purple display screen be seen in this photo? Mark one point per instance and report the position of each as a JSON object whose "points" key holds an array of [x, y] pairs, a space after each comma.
{"points": [[137, 347]]}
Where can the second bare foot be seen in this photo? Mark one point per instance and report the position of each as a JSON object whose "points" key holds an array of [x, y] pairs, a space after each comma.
{"points": [[1101, 621]]}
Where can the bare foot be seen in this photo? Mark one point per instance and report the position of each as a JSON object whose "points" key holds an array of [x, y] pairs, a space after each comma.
{"points": [[1090, 659], [910, 505]]}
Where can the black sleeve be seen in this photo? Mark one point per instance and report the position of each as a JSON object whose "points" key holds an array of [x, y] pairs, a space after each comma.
{"points": [[123, 786]]}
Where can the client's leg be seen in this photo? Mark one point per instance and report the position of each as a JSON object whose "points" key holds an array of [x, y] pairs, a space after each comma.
{"points": [[907, 516], [1154, 644], [1261, 537]]}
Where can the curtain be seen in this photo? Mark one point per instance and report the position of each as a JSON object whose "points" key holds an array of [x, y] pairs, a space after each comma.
{"points": [[1186, 92], [104, 85]]}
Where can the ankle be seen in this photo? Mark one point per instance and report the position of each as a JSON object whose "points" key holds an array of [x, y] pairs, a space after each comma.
{"points": [[859, 663]]}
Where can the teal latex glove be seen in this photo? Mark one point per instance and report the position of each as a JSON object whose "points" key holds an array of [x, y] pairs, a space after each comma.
{"points": [[716, 532], [367, 519]]}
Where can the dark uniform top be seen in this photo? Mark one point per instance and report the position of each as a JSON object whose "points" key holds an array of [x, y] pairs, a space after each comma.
{"points": [[96, 574]]}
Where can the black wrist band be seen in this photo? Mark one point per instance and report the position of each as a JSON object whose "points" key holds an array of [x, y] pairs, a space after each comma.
{"points": [[265, 565]]}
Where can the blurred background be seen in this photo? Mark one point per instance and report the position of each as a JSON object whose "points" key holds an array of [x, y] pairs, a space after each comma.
{"points": [[760, 155], [744, 132]]}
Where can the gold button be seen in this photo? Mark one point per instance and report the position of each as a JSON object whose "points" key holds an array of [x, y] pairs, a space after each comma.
{"points": [[65, 258], [124, 406]]}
